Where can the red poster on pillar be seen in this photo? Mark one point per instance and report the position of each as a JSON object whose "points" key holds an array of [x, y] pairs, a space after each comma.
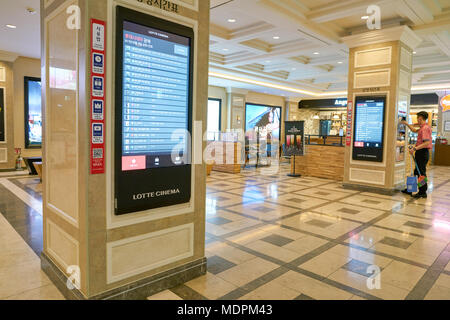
{"points": [[349, 123], [97, 83]]}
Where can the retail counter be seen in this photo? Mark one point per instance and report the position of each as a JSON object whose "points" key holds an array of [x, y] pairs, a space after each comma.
{"points": [[321, 161], [227, 156], [442, 154]]}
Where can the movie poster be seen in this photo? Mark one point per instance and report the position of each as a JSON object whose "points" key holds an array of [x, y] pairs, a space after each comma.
{"points": [[295, 138]]}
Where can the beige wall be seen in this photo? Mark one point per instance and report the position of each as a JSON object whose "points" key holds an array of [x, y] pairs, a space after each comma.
{"points": [[7, 147], [23, 67]]}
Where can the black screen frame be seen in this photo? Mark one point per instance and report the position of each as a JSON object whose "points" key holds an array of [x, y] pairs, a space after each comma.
{"points": [[127, 183], [27, 110], [2, 115], [378, 153]]}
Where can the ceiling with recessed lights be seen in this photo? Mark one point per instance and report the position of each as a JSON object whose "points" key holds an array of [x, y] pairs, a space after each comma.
{"points": [[298, 43], [291, 47], [25, 39]]}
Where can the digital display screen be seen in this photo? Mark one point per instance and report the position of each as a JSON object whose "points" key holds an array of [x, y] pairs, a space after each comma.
{"points": [[154, 63], [33, 113], [155, 98], [264, 120], [369, 128]]}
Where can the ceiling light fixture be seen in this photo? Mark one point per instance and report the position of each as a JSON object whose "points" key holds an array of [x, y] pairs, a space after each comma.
{"points": [[231, 20], [414, 52], [316, 53], [225, 49], [365, 17], [276, 37], [340, 62], [11, 26]]}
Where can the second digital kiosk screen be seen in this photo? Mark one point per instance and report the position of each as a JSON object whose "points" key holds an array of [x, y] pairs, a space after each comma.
{"points": [[369, 129], [154, 80]]}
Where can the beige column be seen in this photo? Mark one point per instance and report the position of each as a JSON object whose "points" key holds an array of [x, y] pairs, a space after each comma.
{"points": [[380, 65], [115, 257], [236, 108], [7, 153]]}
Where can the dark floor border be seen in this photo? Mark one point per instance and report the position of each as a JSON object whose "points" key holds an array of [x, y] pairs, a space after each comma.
{"points": [[139, 290], [361, 188]]}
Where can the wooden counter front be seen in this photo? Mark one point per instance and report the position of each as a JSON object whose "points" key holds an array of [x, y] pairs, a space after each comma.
{"points": [[442, 154], [321, 162], [221, 154]]}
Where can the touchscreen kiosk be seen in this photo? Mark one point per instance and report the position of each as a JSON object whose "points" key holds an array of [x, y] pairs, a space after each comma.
{"points": [[369, 129], [153, 112]]}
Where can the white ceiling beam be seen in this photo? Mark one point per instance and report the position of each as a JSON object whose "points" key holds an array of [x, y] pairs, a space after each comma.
{"points": [[440, 23], [415, 11], [343, 9], [442, 41]]}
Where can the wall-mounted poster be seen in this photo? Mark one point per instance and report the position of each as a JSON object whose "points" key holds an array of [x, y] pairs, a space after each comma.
{"points": [[294, 145], [33, 113], [2, 115]]}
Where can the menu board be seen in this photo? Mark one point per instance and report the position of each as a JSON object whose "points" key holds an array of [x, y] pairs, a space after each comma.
{"points": [[369, 128], [153, 112], [155, 97]]}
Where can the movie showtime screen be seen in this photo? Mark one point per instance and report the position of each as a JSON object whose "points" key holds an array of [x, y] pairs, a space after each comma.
{"points": [[153, 112], [369, 129]]}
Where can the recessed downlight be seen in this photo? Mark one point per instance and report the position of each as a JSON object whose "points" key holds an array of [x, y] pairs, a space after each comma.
{"points": [[340, 62], [414, 52], [225, 49], [276, 37], [364, 17], [231, 20], [316, 53], [11, 26]]}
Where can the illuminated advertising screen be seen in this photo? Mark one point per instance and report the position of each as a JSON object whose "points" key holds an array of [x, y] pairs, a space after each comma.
{"points": [[369, 129], [262, 120], [33, 113], [153, 112]]}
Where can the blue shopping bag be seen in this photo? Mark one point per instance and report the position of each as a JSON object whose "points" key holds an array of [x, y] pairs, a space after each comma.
{"points": [[412, 184]]}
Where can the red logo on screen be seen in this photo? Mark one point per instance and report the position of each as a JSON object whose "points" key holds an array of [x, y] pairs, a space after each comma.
{"points": [[359, 144], [133, 163]]}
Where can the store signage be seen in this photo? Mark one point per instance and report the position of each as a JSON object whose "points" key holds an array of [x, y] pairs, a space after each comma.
{"points": [[2, 115], [445, 103], [161, 4], [349, 123], [340, 102], [98, 76]]}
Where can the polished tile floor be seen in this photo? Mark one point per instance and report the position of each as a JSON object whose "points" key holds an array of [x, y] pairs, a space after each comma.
{"points": [[269, 236]]}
